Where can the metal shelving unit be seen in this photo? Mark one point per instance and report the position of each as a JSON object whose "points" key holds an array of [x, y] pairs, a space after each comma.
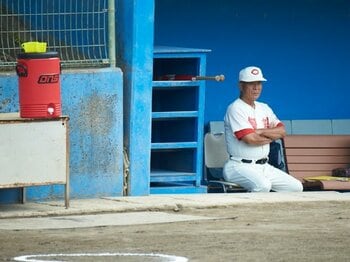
{"points": [[177, 120]]}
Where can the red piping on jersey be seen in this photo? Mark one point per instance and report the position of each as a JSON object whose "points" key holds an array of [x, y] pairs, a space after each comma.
{"points": [[241, 133]]}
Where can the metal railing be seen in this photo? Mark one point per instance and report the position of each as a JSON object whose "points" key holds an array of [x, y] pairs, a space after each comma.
{"points": [[77, 29]]}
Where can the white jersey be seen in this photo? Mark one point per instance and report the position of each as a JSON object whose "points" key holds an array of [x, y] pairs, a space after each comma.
{"points": [[242, 119]]}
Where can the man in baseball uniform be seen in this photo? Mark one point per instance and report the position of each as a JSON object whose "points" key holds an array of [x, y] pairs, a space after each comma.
{"points": [[250, 127]]}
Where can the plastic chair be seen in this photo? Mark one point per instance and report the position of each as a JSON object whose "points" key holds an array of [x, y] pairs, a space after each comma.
{"points": [[215, 156]]}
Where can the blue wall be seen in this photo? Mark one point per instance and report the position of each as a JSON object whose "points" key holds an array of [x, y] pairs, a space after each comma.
{"points": [[93, 101], [302, 47]]}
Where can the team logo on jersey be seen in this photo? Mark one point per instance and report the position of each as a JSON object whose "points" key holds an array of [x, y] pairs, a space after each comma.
{"points": [[252, 121], [266, 122]]}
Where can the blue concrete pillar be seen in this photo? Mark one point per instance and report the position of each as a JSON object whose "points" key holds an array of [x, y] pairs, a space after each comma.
{"points": [[134, 26]]}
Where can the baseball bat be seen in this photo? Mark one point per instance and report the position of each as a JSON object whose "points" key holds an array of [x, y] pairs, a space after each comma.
{"points": [[217, 78]]}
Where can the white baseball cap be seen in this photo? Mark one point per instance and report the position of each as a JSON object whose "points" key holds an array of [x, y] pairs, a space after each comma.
{"points": [[251, 74]]}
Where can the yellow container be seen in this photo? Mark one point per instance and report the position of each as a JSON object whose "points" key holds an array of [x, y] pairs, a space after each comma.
{"points": [[34, 47]]}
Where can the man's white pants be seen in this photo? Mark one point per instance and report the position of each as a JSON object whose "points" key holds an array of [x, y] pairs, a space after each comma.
{"points": [[260, 178]]}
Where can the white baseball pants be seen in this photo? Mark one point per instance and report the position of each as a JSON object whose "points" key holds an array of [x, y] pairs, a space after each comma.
{"points": [[260, 178]]}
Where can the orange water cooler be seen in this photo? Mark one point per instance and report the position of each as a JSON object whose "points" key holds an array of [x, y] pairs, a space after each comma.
{"points": [[39, 85]]}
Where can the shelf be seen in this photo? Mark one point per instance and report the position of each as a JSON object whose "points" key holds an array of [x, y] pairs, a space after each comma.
{"points": [[174, 130], [171, 176], [169, 84], [177, 120], [179, 99], [175, 114], [174, 145], [178, 189], [173, 50]]}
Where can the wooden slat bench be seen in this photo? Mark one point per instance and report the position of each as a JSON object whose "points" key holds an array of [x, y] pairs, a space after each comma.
{"points": [[317, 155]]}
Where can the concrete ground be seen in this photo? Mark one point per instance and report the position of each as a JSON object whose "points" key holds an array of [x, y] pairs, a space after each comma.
{"points": [[307, 226], [160, 203]]}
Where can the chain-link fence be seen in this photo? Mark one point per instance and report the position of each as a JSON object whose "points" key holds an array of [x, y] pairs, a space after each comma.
{"points": [[77, 29]]}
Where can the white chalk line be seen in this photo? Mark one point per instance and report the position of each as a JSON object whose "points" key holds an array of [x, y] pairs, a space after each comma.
{"points": [[34, 258]]}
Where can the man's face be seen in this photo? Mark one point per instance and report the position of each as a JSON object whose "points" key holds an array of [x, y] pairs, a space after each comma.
{"points": [[251, 90]]}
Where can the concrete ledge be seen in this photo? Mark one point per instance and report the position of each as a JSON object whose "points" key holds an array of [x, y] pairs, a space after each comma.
{"points": [[160, 203]]}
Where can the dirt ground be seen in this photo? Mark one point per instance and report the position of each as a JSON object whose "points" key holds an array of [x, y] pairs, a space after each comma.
{"points": [[308, 231]]}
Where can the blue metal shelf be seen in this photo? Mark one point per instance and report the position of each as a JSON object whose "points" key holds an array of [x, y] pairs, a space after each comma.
{"points": [[174, 114], [171, 176], [177, 121], [174, 145], [179, 189], [170, 84]]}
